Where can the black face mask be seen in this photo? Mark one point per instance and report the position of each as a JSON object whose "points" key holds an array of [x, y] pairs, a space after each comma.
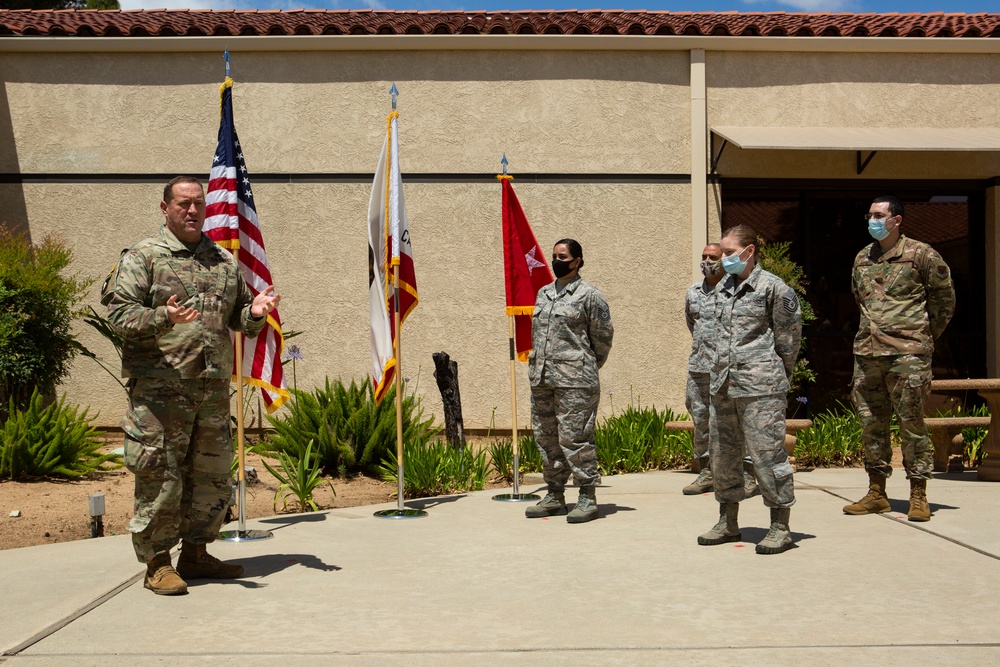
{"points": [[561, 267]]}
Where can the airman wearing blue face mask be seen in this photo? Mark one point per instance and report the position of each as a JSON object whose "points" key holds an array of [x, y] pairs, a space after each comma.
{"points": [[759, 325]]}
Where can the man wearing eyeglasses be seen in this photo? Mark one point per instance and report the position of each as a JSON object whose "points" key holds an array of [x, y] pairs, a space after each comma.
{"points": [[904, 290]]}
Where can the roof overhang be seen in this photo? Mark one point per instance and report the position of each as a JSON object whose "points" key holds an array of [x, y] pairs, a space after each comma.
{"points": [[863, 138], [859, 139]]}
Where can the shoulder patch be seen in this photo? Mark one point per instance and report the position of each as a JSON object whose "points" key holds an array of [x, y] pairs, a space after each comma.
{"points": [[790, 303], [604, 314]]}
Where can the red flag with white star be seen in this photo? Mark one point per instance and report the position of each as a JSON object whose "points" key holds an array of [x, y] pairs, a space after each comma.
{"points": [[525, 268]]}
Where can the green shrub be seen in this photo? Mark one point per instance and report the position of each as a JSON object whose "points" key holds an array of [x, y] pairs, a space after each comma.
{"points": [[298, 477], [637, 440], [502, 456], [436, 468], [37, 307], [833, 439], [54, 440], [774, 258], [351, 434]]}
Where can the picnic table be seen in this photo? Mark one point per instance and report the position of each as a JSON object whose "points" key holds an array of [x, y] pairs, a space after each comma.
{"points": [[989, 389]]}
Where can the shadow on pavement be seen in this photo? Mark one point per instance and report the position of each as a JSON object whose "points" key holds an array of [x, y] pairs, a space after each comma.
{"points": [[266, 565], [903, 506], [605, 510], [755, 535]]}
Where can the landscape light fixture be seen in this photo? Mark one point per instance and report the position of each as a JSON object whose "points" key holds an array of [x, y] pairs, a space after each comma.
{"points": [[96, 503]]}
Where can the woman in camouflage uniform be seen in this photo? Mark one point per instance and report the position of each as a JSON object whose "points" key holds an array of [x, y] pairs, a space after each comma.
{"points": [[571, 338], [759, 324]]}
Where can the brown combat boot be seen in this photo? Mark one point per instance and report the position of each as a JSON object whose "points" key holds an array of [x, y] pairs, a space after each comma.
{"points": [[162, 578], [875, 502], [920, 510], [196, 563]]}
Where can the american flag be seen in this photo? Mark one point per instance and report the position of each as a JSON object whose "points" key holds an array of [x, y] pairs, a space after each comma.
{"points": [[231, 221]]}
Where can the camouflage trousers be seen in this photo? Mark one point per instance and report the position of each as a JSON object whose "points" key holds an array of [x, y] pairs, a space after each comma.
{"points": [[881, 386], [752, 426], [697, 401], [563, 422], [178, 445]]}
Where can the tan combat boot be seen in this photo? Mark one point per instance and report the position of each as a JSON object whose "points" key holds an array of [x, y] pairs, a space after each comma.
{"points": [[726, 530], [779, 537], [702, 483], [920, 510], [162, 578], [586, 506], [875, 502], [196, 563], [553, 504]]}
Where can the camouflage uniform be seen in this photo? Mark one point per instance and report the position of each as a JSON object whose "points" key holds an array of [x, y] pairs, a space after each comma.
{"points": [[571, 338], [177, 437], [759, 325], [906, 299], [699, 312]]}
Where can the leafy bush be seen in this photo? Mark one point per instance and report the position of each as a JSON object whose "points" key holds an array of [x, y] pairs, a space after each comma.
{"points": [[299, 478], [774, 258], [36, 313], [350, 433], [502, 456], [637, 440], [49, 440], [436, 468], [833, 439]]}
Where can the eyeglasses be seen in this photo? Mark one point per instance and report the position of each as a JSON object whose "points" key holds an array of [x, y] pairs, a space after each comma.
{"points": [[877, 216]]}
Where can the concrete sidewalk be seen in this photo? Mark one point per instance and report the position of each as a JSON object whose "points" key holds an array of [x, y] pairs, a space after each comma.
{"points": [[475, 583]]}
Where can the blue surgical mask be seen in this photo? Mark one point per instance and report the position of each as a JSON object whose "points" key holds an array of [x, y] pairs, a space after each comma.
{"points": [[877, 229], [733, 264]]}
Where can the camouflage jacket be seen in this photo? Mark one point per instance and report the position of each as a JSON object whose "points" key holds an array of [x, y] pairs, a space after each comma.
{"points": [[571, 336], [700, 314], [759, 329], [906, 299], [208, 279]]}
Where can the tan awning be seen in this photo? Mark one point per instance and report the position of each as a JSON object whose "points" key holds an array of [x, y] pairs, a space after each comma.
{"points": [[863, 138]]}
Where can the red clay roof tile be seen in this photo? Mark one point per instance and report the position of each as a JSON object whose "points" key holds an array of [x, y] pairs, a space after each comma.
{"points": [[161, 22]]}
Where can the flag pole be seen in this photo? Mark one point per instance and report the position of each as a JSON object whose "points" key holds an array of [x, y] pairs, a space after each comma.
{"points": [[241, 477], [241, 534], [399, 393], [401, 511], [517, 496]]}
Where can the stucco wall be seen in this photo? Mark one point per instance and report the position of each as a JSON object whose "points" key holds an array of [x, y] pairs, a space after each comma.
{"points": [[551, 112], [325, 112], [318, 255], [853, 90]]}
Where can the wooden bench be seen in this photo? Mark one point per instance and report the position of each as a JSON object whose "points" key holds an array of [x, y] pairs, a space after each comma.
{"points": [[792, 426], [945, 430]]}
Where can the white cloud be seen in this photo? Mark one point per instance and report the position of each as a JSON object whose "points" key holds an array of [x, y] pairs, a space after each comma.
{"points": [[817, 5], [814, 5], [249, 4]]}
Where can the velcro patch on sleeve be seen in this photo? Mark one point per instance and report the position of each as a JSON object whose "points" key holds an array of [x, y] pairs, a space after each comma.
{"points": [[791, 303]]}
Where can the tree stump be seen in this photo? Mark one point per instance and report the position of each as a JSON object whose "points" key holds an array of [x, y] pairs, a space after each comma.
{"points": [[446, 374]]}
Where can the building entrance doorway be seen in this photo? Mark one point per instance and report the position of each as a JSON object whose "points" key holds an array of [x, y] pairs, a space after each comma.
{"points": [[824, 222]]}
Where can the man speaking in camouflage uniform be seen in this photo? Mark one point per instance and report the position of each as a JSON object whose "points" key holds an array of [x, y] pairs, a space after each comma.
{"points": [[700, 306], [906, 297], [174, 297], [571, 334]]}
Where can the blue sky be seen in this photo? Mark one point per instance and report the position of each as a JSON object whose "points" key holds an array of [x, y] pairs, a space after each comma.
{"points": [[902, 6]]}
